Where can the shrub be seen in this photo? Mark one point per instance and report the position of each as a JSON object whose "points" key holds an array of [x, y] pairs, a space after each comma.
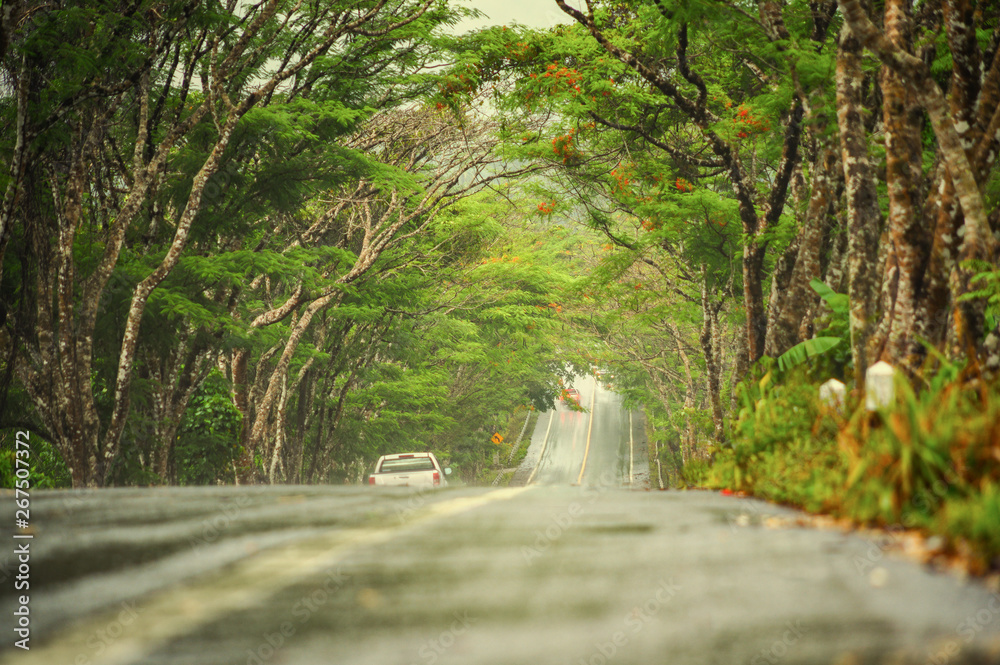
{"points": [[929, 460], [46, 469]]}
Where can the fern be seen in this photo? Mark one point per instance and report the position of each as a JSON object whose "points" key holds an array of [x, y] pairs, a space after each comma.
{"points": [[988, 281]]}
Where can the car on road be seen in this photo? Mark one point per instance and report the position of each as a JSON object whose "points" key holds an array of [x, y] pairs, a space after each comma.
{"points": [[409, 470], [571, 394]]}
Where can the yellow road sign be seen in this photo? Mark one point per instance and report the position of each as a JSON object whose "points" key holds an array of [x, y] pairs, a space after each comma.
{"points": [[497, 439]]}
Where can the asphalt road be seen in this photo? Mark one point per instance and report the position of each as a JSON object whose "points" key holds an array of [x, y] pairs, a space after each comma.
{"points": [[602, 445], [551, 572]]}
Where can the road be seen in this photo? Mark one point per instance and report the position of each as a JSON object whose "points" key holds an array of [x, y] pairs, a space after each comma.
{"points": [[550, 572], [561, 443]]}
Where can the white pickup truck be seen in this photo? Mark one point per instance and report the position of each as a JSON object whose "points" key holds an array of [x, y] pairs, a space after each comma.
{"points": [[409, 470]]}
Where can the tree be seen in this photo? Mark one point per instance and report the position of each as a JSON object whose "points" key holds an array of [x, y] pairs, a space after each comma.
{"points": [[451, 332], [631, 91], [930, 211], [147, 80], [680, 113], [690, 96]]}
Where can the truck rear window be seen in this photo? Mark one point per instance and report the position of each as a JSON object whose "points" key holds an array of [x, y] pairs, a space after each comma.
{"points": [[407, 464]]}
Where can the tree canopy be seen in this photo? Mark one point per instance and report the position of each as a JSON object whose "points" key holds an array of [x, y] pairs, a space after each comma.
{"points": [[268, 242]]}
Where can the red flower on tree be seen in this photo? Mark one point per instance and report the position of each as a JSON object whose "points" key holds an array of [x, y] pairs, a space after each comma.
{"points": [[564, 146], [748, 124], [623, 177]]}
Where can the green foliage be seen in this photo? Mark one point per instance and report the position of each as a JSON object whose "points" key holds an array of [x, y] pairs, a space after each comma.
{"points": [[932, 445], [208, 438], [491, 305], [970, 523], [773, 413], [987, 283], [839, 303], [46, 469], [803, 351], [441, 349], [836, 360]]}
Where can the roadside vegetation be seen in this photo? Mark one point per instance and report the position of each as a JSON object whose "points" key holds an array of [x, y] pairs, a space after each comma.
{"points": [[925, 462]]}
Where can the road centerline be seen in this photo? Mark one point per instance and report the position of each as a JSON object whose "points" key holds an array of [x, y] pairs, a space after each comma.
{"points": [[590, 428]]}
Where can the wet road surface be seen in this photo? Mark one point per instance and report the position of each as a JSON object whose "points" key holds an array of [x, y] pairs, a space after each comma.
{"points": [[595, 446], [551, 572]]}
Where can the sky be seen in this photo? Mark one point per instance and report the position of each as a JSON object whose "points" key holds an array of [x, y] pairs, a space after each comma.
{"points": [[532, 13]]}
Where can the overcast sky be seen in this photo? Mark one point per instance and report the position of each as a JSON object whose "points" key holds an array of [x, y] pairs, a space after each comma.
{"points": [[532, 13]]}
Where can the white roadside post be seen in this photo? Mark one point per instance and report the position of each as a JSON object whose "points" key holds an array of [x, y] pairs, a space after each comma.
{"points": [[879, 386], [832, 394]]}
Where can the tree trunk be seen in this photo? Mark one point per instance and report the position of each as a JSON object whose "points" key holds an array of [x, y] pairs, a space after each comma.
{"points": [[688, 439], [903, 119], [799, 296], [863, 216], [177, 377], [711, 347]]}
